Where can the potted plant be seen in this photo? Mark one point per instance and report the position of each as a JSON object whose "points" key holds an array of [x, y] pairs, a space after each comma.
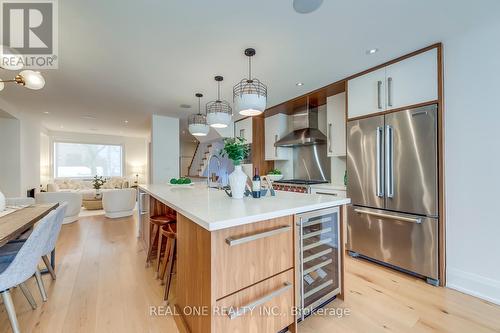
{"points": [[274, 175], [236, 150], [97, 183]]}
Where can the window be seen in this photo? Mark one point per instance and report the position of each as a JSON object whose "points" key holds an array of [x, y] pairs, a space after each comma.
{"points": [[83, 160]]}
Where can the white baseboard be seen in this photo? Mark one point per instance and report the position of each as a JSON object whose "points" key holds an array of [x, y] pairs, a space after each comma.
{"points": [[473, 284]]}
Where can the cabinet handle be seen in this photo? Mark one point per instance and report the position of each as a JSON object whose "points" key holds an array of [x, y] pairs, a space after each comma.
{"points": [[242, 240], [275, 148], [379, 94], [417, 220], [250, 306], [330, 137], [389, 91], [326, 193]]}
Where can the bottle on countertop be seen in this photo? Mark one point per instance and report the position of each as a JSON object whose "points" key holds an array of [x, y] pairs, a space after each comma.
{"points": [[256, 184]]}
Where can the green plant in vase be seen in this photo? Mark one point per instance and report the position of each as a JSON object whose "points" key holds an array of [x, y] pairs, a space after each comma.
{"points": [[97, 183], [236, 150]]}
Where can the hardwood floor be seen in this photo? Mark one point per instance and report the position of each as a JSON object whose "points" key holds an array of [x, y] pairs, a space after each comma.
{"points": [[103, 286]]}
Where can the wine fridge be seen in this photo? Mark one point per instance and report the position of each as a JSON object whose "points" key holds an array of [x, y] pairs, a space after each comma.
{"points": [[318, 259]]}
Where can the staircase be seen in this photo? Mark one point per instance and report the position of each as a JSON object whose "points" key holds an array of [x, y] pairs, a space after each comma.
{"points": [[199, 163]]}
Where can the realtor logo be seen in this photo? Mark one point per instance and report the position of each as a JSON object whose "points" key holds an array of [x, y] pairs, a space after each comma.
{"points": [[29, 29]]}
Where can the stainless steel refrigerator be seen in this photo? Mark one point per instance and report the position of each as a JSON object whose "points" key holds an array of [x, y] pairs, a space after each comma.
{"points": [[393, 184]]}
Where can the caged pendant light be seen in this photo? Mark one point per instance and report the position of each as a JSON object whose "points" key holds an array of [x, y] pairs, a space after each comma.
{"points": [[219, 112], [197, 123], [250, 95]]}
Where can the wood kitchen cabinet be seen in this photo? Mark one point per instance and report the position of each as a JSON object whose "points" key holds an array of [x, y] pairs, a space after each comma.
{"points": [[411, 81], [276, 127], [336, 125], [243, 129]]}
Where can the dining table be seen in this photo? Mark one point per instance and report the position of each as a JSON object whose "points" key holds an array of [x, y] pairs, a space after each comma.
{"points": [[22, 219]]}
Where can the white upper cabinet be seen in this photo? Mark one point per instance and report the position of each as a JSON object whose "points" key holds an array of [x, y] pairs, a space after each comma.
{"points": [[243, 129], [336, 124], [366, 94], [412, 81], [276, 127], [408, 82]]}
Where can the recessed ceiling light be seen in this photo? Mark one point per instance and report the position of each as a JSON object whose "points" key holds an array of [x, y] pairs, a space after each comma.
{"points": [[185, 106], [126, 121], [299, 84], [89, 117], [46, 112], [372, 51]]}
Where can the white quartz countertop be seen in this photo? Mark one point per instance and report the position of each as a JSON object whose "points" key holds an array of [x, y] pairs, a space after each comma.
{"points": [[213, 209]]}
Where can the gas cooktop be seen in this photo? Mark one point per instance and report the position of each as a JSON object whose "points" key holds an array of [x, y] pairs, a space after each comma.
{"points": [[301, 181]]}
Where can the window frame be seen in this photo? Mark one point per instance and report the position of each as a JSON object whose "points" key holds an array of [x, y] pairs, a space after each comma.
{"points": [[54, 155]]}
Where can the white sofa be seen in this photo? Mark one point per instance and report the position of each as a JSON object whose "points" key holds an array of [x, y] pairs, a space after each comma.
{"points": [[85, 186], [73, 199], [119, 203]]}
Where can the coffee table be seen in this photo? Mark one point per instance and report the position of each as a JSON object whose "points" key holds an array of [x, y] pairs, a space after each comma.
{"points": [[92, 204]]}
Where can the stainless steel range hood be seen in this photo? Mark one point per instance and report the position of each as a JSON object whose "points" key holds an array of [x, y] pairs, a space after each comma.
{"points": [[305, 129]]}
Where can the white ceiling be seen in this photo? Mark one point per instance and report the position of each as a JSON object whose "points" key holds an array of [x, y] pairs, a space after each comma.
{"points": [[125, 60]]}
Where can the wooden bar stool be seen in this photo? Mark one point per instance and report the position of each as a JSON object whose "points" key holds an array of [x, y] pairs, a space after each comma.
{"points": [[167, 266], [156, 222]]}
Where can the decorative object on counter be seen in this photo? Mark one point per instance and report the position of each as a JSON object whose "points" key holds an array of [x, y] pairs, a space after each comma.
{"points": [[97, 183], [181, 181], [2, 202], [250, 95], [219, 112], [236, 150], [274, 175], [256, 184], [197, 123]]}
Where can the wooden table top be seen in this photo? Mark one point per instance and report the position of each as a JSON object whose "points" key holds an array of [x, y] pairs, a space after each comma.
{"points": [[15, 223]]}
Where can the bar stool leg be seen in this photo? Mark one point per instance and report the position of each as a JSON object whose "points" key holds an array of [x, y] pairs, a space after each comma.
{"points": [[168, 276], [41, 287], [11, 311], [152, 240], [158, 254]]}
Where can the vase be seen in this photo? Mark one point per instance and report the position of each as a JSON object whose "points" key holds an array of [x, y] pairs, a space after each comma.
{"points": [[2, 202], [98, 194], [237, 181]]}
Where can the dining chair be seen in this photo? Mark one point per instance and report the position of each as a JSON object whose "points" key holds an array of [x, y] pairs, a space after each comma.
{"points": [[16, 270]]}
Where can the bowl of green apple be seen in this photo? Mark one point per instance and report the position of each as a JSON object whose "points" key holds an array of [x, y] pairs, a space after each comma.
{"points": [[183, 181]]}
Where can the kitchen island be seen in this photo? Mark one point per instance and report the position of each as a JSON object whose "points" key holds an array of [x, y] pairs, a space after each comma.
{"points": [[236, 259]]}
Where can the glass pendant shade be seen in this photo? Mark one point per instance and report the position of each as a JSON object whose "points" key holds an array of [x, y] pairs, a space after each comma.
{"points": [[197, 123], [250, 95], [219, 112], [32, 80]]}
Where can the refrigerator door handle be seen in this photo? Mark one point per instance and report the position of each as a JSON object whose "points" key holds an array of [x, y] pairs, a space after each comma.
{"points": [[380, 173], [389, 160], [417, 220]]}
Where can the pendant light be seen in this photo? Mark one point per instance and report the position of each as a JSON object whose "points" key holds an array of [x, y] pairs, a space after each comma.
{"points": [[28, 79], [250, 95], [197, 123], [219, 112]]}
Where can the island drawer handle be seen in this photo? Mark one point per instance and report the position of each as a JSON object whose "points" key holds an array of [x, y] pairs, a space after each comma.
{"points": [[237, 241], [249, 307]]}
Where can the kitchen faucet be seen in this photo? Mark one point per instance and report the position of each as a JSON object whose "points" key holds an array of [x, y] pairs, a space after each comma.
{"points": [[218, 170]]}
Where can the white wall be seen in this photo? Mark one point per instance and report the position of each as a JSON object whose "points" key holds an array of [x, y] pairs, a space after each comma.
{"points": [[10, 156], [28, 174], [165, 146], [135, 150], [472, 157]]}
